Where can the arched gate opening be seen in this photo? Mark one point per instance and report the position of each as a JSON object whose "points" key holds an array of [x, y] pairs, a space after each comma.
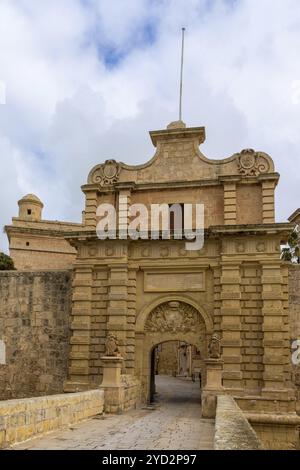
{"points": [[172, 320], [173, 361]]}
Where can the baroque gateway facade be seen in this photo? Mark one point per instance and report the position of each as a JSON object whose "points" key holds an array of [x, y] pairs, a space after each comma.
{"points": [[151, 291], [147, 292]]}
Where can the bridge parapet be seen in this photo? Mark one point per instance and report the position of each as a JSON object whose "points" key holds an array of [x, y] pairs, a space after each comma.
{"points": [[232, 429]]}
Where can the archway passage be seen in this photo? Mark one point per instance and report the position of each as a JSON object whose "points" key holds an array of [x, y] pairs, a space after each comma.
{"points": [[176, 324], [177, 371]]}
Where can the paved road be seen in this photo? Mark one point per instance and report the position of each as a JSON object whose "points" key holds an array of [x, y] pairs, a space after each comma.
{"points": [[174, 423]]}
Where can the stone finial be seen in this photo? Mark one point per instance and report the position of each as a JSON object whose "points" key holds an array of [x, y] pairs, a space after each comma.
{"points": [[111, 346], [176, 125], [214, 348]]}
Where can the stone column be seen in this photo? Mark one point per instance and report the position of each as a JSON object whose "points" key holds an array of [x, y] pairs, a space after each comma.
{"points": [[213, 387], [111, 371], [112, 384]]}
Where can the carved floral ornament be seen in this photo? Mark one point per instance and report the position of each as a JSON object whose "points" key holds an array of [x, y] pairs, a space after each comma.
{"points": [[173, 317], [251, 163], [105, 174]]}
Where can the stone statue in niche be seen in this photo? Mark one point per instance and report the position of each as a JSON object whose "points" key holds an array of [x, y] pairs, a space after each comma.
{"points": [[214, 348], [111, 346]]}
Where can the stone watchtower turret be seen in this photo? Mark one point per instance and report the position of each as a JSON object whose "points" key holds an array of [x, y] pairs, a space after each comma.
{"points": [[30, 207], [36, 243]]}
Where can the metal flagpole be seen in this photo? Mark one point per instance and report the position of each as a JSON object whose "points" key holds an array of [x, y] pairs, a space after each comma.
{"points": [[181, 75]]}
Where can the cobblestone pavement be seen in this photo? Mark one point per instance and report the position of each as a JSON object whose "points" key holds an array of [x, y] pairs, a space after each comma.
{"points": [[173, 423]]}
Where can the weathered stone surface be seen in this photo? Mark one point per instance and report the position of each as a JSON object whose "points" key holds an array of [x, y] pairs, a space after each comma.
{"points": [[232, 430], [175, 424], [236, 286], [276, 431], [35, 243], [294, 319], [25, 418], [34, 325]]}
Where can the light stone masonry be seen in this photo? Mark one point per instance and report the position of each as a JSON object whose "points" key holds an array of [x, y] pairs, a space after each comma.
{"points": [[233, 431], [25, 418]]}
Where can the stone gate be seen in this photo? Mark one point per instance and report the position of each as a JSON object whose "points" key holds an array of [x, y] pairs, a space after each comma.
{"points": [[150, 291]]}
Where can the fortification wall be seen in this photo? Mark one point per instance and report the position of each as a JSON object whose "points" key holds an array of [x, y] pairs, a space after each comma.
{"points": [[34, 332]]}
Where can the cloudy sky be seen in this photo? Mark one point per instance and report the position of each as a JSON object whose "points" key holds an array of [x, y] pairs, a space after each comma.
{"points": [[84, 80]]}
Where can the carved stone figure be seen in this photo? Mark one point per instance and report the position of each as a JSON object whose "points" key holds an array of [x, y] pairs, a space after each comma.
{"points": [[214, 349], [157, 322], [189, 321], [111, 346]]}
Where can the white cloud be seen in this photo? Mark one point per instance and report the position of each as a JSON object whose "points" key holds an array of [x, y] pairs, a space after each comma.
{"points": [[67, 108]]}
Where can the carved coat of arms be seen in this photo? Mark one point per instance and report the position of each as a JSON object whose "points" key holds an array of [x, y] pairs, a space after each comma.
{"points": [[173, 317]]}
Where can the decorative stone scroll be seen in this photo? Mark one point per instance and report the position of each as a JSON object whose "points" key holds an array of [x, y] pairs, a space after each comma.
{"points": [[173, 317], [251, 163], [105, 174]]}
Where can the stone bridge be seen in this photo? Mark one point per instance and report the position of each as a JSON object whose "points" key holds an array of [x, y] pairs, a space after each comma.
{"points": [[172, 422]]}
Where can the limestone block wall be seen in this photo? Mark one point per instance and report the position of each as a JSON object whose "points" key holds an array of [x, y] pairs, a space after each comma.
{"points": [[294, 311], [24, 418], [167, 362], [123, 398], [294, 296], [132, 391], [34, 326], [36, 252], [276, 431]]}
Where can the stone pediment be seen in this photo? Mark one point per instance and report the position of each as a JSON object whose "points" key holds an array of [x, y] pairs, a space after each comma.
{"points": [[179, 159]]}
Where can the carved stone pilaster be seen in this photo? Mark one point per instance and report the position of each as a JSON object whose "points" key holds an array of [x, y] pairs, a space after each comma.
{"points": [[231, 325], [79, 358]]}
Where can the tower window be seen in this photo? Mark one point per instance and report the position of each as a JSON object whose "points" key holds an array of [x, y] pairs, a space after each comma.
{"points": [[27, 243], [28, 211]]}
